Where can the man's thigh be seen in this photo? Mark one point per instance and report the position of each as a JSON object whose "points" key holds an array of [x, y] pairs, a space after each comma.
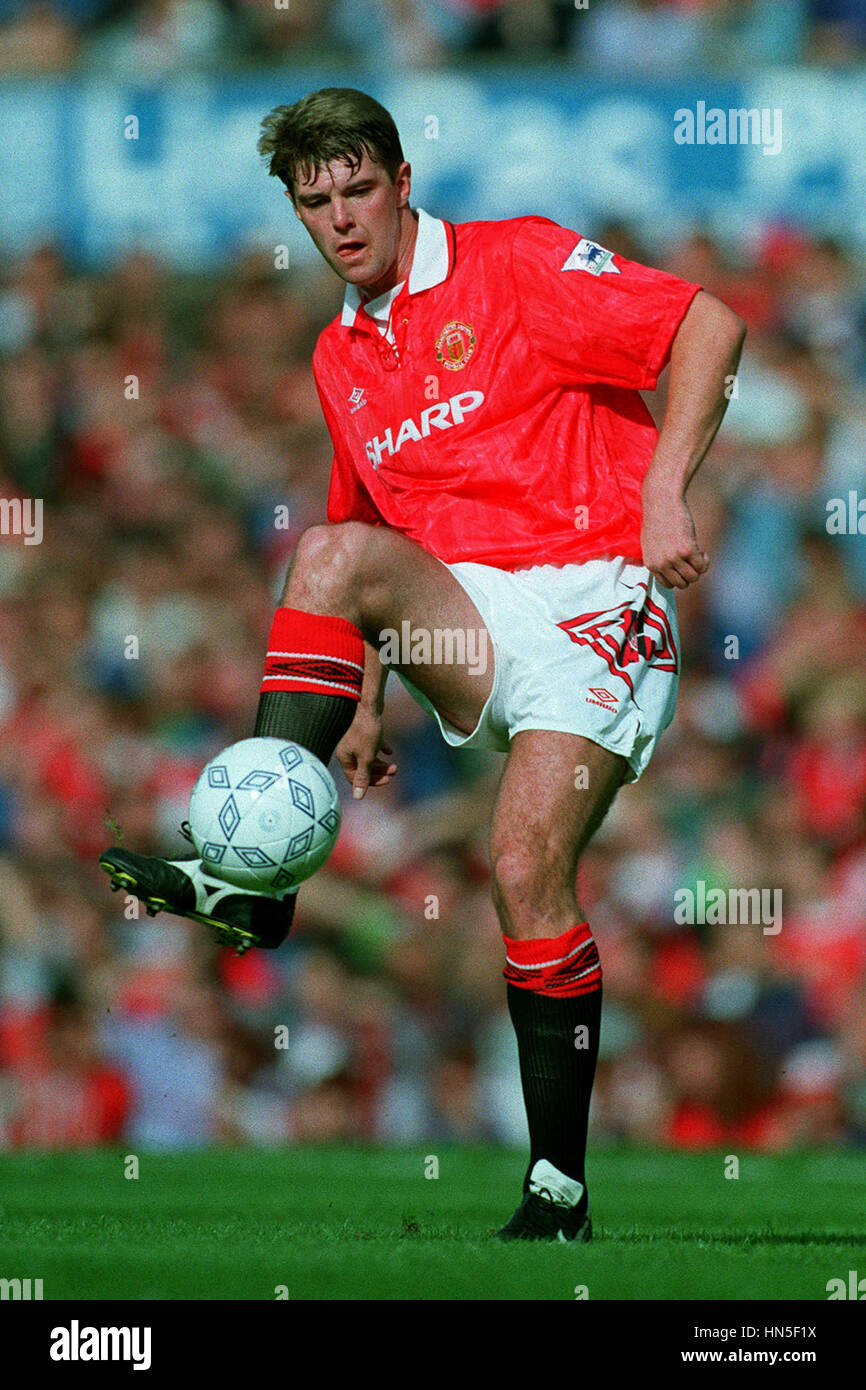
{"points": [[555, 791], [409, 599]]}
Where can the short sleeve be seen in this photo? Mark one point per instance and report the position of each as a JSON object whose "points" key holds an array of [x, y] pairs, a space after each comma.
{"points": [[592, 315], [348, 499]]}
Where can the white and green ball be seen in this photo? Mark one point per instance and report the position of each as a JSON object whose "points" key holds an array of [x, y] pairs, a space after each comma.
{"points": [[264, 815]]}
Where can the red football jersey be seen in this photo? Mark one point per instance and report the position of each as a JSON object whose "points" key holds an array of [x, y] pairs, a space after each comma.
{"points": [[503, 424]]}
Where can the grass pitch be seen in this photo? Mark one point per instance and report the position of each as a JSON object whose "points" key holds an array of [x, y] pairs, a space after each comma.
{"points": [[356, 1223]]}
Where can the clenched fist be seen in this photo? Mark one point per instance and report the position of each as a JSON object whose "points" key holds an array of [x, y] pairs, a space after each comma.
{"points": [[668, 540]]}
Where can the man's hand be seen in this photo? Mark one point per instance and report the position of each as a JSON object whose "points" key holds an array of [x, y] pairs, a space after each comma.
{"points": [[668, 540], [358, 753], [704, 357]]}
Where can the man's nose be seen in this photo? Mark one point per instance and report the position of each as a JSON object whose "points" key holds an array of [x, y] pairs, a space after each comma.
{"points": [[341, 216]]}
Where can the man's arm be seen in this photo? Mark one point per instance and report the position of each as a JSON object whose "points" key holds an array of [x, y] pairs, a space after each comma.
{"points": [[358, 750], [374, 682], [704, 356]]}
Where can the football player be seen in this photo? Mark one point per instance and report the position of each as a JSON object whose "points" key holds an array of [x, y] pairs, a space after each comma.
{"points": [[498, 478]]}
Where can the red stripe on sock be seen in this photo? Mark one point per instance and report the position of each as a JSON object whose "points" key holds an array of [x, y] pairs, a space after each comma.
{"points": [[560, 966], [314, 652]]}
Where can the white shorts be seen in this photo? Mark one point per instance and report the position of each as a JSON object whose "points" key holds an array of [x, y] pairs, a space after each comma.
{"points": [[590, 649]]}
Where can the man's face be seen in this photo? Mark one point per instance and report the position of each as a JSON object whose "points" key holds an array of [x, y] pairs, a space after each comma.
{"points": [[353, 217]]}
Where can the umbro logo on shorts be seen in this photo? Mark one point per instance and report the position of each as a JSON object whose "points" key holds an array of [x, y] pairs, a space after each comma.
{"points": [[605, 698], [624, 635]]}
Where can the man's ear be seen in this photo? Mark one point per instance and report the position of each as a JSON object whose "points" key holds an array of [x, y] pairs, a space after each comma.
{"points": [[403, 183], [294, 204]]}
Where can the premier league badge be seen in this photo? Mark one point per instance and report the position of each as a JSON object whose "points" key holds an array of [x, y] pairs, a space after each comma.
{"points": [[589, 256]]}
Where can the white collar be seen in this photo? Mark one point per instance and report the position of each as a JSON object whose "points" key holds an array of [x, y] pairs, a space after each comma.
{"points": [[430, 264]]}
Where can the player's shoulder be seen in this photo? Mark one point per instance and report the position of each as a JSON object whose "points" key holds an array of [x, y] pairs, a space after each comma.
{"points": [[508, 228], [531, 234]]}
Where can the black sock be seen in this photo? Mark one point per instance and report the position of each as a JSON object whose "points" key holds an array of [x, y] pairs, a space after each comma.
{"points": [[556, 1074], [316, 722], [310, 650]]}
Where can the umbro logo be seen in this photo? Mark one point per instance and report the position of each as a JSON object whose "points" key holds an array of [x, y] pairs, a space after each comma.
{"points": [[625, 637], [605, 698], [357, 398]]}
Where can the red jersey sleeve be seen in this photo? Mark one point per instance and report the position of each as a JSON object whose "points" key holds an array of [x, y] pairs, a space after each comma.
{"points": [[348, 499], [591, 315]]}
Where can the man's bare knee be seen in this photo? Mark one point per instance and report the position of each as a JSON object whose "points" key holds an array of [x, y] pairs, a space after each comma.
{"points": [[529, 889], [327, 566]]}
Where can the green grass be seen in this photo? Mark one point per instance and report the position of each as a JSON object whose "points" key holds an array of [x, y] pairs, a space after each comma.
{"points": [[366, 1224]]}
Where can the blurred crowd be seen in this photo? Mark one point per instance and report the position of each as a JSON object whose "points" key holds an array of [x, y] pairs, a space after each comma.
{"points": [[170, 424], [152, 38]]}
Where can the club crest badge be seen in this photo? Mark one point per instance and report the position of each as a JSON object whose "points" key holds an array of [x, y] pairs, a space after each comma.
{"points": [[455, 345]]}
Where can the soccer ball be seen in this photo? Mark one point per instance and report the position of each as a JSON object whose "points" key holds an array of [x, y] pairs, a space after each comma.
{"points": [[264, 815]]}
